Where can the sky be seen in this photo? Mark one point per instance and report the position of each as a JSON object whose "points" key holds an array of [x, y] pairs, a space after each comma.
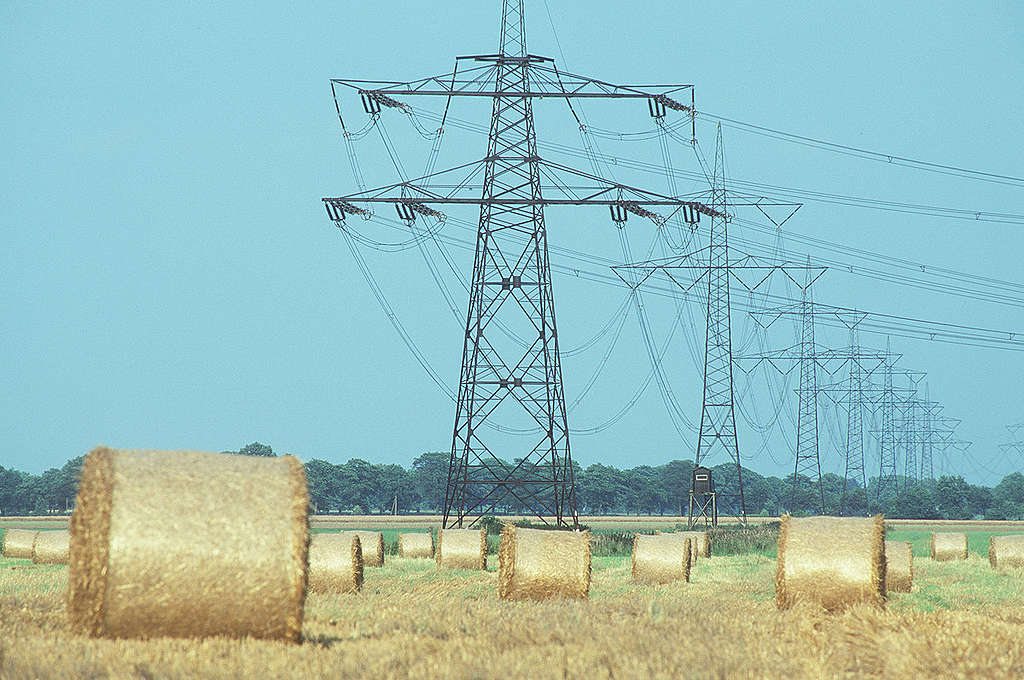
{"points": [[170, 280]]}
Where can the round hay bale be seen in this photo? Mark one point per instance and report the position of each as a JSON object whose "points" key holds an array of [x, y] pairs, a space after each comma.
{"points": [[662, 558], [18, 543], [700, 543], [899, 566], [51, 547], [335, 563], [189, 544], [834, 561], [947, 546], [416, 545], [461, 549], [536, 564], [372, 543], [1006, 551]]}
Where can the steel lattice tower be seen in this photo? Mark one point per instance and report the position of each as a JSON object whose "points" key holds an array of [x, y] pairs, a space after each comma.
{"points": [[512, 283], [854, 427], [511, 371], [807, 458], [911, 435], [717, 416], [887, 485]]}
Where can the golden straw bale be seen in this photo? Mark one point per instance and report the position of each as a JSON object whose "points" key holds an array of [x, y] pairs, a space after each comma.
{"points": [[373, 546], [335, 563], [899, 566], [834, 561], [189, 544], [461, 548], [416, 545], [18, 543], [51, 547], [536, 564], [1006, 551], [948, 546], [699, 542], [662, 558]]}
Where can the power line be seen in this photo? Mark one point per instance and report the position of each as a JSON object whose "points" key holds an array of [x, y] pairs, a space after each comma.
{"points": [[873, 155]]}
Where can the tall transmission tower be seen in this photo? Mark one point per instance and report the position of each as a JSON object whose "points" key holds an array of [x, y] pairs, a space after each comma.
{"points": [[854, 467], [857, 394], [716, 436], [887, 484], [717, 432], [809, 359], [502, 380], [808, 459]]}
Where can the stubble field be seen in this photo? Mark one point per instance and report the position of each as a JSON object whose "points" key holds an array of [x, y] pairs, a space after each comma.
{"points": [[962, 619]]}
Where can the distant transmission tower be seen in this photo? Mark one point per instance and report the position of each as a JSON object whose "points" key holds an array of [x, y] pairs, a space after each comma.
{"points": [[717, 414], [808, 459], [854, 427], [716, 437], [1017, 435], [887, 485]]}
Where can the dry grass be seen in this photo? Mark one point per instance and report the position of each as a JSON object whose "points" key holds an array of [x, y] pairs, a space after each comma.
{"points": [[963, 620]]}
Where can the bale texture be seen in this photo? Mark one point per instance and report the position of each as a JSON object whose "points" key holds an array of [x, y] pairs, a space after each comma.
{"points": [[899, 566], [662, 558], [1006, 551], [834, 561], [948, 546], [335, 563], [51, 547], [700, 544], [189, 544], [537, 564], [18, 543], [372, 543], [416, 545], [461, 549]]}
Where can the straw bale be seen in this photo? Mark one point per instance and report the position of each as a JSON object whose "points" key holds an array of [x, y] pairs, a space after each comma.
{"points": [[662, 558], [1006, 551], [461, 548], [335, 563], [18, 543], [416, 545], [899, 566], [948, 545], [834, 561], [189, 544], [699, 542], [536, 564], [51, 547], [372, 543]]}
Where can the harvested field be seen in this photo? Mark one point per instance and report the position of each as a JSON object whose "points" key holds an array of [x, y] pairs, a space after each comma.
{"points": [[963, 620]]}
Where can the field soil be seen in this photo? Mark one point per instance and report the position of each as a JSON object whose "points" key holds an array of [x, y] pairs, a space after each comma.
{"points": [[962, 620]]}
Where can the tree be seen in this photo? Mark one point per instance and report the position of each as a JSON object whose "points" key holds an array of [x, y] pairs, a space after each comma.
{"points": [[675, 480], [1008, 498], [602, 489], [429, 479], [257, 449], [394, 485], [915, 502], [323, 487], [951, 496]]}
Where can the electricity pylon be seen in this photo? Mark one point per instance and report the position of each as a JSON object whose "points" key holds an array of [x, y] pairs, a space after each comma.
{"points": [[511, 377], [809, 359], [716, 438]]}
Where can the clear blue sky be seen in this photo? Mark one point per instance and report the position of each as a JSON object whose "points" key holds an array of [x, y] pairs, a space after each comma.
{"points": [[170, 280]]}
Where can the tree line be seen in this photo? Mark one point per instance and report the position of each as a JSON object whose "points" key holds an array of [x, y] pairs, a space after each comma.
{"points": [[360, 487]]}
